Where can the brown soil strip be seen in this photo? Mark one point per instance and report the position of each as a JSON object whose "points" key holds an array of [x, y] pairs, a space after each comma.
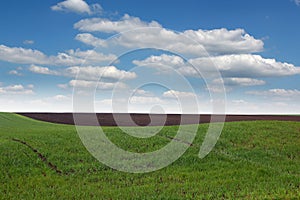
{"points": [[109, 119], [41, 156]]}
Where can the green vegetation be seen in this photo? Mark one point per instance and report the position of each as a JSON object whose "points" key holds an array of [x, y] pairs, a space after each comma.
{"points": [[252, 160]]}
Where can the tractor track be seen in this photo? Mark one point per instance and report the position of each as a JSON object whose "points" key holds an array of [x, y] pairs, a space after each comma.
{"points": [[40, 155]]}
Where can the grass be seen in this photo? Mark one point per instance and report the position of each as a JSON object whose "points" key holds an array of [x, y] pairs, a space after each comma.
{"points": [[252, 160]]}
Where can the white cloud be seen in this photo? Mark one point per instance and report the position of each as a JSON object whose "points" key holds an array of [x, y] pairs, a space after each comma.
{"points": [[141, 96], [16, 90], [178, 94], [277, 93], [94, 73], [15, 72], [223, 41], [163, 63], [21, 55], [217, 89], [54, 99], [228, 84], [92, 56], [77, 6], [142, 92], [237, 66], [89, 39], [68, 58], [61, 97], [145, 100], [246, 65], [78, 57], [15, 87], [28, 42], [192, 42], [96, 84], [240, 81], [42, 70], [65, 59], [105, 25], [87, 73], [297, 2]]}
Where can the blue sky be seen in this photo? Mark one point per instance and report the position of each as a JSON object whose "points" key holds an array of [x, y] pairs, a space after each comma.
{"points": [[254, 46]]}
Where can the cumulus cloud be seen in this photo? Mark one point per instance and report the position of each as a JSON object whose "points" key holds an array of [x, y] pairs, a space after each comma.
{"points": [[15, 72], [105, 25], [21, 55], [92, 56], [86, 73], [178, 94], [77, 6], [78, 57], [231, 66], [141, 96], [277, 93], [61, 97], [223, 41], [16, 90], [42, 70], [94, 73], [96, 84], [162, 62], [240, 81], [246, 65], [141, 92], [145, 100], [192, 42], [68, 58], [221, 85], [91, 40]]}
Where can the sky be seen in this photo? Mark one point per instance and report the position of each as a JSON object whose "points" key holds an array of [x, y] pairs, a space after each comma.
{"points": [[237, 57]]}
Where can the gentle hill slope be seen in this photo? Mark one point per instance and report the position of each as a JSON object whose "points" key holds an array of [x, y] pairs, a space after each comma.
{"points": [[40, 160]]}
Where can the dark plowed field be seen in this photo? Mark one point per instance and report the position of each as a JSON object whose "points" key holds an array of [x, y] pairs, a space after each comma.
{"points": [[109, 119]]}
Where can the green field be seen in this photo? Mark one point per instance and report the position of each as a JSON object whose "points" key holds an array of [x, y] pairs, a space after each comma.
{"points": [[252, 160]]}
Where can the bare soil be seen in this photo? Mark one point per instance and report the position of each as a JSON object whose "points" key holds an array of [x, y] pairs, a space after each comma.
{"points": [[114, 119]]}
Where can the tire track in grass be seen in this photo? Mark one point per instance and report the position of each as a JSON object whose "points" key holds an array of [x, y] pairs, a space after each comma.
{"points": [[4, 117], [176, 139], [41, 156]]}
